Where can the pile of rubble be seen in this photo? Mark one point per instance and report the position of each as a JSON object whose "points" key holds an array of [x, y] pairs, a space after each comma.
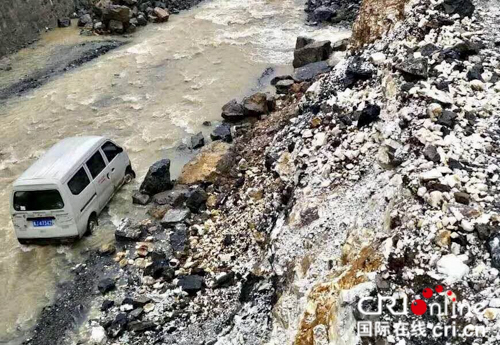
{"points": [[124, 16]]}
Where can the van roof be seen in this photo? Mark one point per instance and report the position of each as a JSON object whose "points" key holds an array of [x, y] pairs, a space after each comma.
{"points": [[60, 160]]}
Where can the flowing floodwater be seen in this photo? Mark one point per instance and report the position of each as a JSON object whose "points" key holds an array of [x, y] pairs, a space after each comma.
{"points": [[149, 95]]}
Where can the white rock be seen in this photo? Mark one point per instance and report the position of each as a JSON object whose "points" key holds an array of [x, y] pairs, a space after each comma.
{"points": [[433, 174], [98, 335], [378, 58], [435, 198], [452, 268], [466, 225], [434, 110], [495, 303], [319, 139], [477, 85]]}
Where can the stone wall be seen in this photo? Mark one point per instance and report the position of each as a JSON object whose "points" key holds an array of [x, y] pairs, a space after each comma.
{"points": [[21, 21]]}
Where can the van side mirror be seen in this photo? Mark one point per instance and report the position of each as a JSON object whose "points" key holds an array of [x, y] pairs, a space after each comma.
{"points": [[119, 149]]}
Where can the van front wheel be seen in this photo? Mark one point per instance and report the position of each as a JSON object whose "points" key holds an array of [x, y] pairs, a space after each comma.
{"points": [[129, 175], [91, 225]]}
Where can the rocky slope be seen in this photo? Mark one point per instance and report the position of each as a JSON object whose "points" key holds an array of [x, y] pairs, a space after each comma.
{"points": [[377, 178]]}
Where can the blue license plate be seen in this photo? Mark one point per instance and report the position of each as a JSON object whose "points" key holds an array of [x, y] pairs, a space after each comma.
{"points": [[38, 223]]}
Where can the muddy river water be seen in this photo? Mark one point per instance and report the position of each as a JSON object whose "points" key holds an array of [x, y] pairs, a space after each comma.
{"points": [[149, 95]]}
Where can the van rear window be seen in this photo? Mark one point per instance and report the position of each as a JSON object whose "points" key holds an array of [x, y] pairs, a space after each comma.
{"points": [[40, 200]]}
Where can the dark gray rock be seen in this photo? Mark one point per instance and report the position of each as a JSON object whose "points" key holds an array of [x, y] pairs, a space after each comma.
{"points": [[494, 249], [484, 231], [233, 111], [84, 20], [175, 197], [464, 8], [197, 141], [302, 42], [106, 285], [196, 199], [157, 179], [107, 304], [313, 52], [191, 284], [160, 267], [414, 69], [462, 50], [175, 216], [141, 326], [139, 198], [117, 326], [428, 49], [311, 71], [179, 239], [475, 73], [431, 154], [64, 22], [135, 314], [222, 132], [447, 119], [118, 13], [324, 14], [283, 86], [141, 20], [462, 198], [255, 105], [356, 70], [368, 115], [116, 27]]}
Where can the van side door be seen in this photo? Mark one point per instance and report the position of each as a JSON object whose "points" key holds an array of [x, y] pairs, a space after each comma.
{"points": [[117, 162], [83, 198], [101, 178]]}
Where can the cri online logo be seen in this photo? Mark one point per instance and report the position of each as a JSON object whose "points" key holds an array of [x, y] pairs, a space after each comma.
{"points": [[419, 306], [398, 304]]}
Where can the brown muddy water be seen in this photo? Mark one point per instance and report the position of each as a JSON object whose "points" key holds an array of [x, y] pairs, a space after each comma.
{"points": [[149, 95]]}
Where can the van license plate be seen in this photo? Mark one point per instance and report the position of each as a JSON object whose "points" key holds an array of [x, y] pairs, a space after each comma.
{"points": [[38, 223]]}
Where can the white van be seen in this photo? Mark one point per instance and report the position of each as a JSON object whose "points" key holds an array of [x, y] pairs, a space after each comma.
{"points": [[60, 196]]}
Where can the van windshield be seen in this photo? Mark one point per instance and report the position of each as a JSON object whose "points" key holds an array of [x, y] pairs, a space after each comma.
{"points": [[40, 200]]}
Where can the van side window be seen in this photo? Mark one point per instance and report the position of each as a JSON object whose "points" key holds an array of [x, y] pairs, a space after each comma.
{"points": [[96, 164], [79, 182], [110, 150]]}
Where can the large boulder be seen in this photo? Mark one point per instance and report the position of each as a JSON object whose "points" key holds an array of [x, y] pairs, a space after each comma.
{"points": [[222, 132], [116, 12], [207, 165], [84, 20], [161, 15], [312, 52], [233, 111], [175, 216], [255, 105], [311, 70], [157, 179]]}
